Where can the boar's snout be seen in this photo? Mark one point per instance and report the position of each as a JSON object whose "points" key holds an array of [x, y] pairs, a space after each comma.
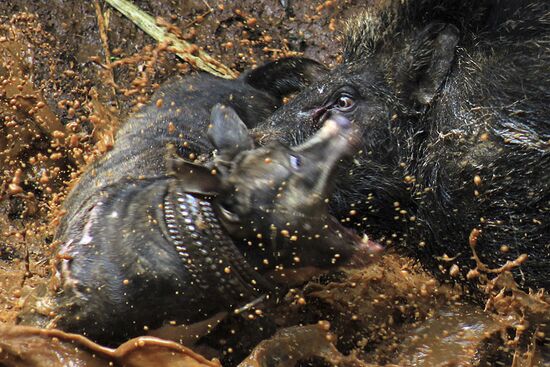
{"points": [[320, 156], [320, 239]]}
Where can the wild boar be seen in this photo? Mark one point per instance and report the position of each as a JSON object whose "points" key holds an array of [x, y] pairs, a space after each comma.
{"points": [[452, 98]]}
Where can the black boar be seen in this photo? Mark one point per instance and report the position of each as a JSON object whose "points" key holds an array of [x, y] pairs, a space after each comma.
{"points": [[453, 100], [184, 246]]}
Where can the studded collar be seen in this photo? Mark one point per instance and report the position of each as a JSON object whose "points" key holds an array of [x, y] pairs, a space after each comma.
{"points": [[211, 257]]}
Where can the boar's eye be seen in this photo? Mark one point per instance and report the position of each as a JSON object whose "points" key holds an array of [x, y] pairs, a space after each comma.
{"points": [[295, 162], [345, 102]]}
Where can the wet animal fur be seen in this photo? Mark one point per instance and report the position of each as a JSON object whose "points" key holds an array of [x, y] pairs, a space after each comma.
{"points": [[488, 115]]}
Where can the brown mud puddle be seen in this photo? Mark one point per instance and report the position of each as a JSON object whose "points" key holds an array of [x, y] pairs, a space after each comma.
{"points": [[69, 73], [391, 313], [31, 347]]}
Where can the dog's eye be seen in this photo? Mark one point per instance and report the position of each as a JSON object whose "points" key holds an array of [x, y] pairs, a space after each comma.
{"points": [[295, 162]]}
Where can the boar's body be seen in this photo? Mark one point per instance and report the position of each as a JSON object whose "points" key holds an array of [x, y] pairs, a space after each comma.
{"points": [[150, 237], [189, 244], [453, 98]]}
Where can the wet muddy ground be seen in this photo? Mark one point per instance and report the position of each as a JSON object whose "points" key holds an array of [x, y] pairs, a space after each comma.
{"points": [[71, 71]]}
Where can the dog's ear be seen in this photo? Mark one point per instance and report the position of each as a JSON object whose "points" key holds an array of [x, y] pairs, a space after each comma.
{"points": [[192, 177], [227, 132]]}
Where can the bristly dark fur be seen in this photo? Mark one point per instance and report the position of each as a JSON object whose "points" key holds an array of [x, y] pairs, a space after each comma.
{"points": [[445, 91], [379, 25]]}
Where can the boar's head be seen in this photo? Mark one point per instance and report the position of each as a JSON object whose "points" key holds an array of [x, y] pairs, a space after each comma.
{"points": [[385, 86]]}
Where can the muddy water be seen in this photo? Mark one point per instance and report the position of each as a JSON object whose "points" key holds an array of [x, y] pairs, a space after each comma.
{"points": [[31, 347], [455, 335], [61, 100]]}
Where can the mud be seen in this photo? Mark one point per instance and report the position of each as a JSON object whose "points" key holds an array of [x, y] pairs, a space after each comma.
{"points": [[71, 71], [27, 346]]}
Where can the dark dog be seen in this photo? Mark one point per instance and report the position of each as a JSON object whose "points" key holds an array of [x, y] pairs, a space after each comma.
{"points": [[182, 121], [189, 244]]}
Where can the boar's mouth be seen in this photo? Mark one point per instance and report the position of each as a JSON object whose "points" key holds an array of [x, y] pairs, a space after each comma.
{"points": [[365, 250], [332, 241], [349, 251]]}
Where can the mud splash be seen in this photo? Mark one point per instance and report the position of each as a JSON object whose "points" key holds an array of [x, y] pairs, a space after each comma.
{"points": [[61, 98], [32, 347]]}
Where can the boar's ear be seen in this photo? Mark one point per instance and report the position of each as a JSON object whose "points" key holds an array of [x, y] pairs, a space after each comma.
{"points": [[227, 132], [191, 177], [285, 76], [427, 63]]}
